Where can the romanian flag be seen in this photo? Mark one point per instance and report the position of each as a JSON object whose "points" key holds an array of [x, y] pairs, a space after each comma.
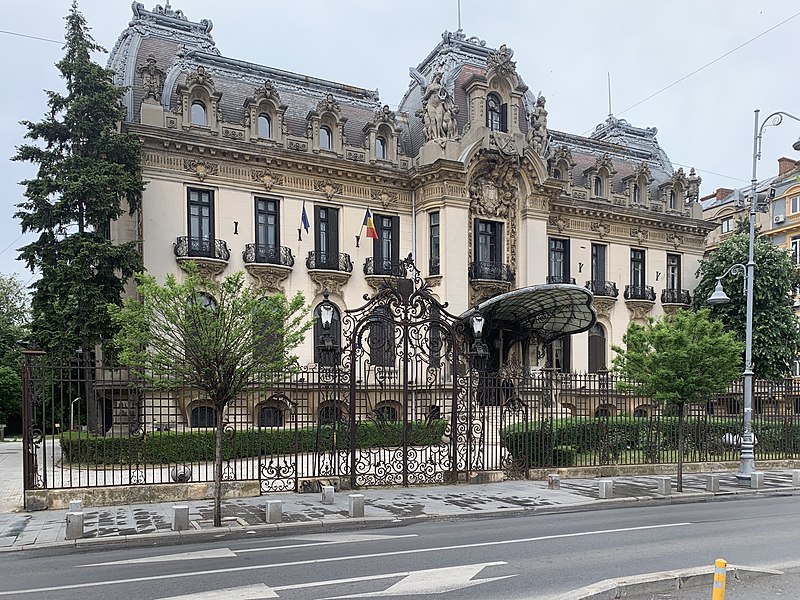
{"points": [[370, 225]]}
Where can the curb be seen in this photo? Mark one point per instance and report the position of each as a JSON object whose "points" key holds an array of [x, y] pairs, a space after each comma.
{"points": [[660, 582], [319, 525]]}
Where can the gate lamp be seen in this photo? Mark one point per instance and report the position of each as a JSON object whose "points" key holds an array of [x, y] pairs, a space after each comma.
{"points": [[479, 349], [326, 319]]}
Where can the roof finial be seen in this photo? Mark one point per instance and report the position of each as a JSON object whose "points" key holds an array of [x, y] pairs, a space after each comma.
{"points": [[610, 113], [459, 15]]}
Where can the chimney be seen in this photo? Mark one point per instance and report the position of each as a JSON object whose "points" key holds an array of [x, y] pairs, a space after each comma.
{"points": [[786, 164], [723, 193]]}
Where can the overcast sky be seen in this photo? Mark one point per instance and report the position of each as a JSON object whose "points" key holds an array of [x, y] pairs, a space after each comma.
{"points": [[563, 49]]}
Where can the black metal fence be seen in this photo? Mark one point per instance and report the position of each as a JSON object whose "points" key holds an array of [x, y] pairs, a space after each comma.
{"points": [[87, 426]]}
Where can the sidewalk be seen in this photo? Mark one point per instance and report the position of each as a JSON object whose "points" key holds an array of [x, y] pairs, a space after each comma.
{"points": [[139, 523]]}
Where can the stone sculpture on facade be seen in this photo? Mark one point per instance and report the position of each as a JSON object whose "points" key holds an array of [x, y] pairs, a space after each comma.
{"points": [[152, 80], [438, 112], [538, 131]]}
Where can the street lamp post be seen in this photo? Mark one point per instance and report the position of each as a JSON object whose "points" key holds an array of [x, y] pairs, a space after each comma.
{"points": [[747, 463]]}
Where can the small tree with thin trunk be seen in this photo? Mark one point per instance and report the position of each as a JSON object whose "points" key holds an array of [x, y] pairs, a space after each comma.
{"points": [[679, 359], [218, 337]]}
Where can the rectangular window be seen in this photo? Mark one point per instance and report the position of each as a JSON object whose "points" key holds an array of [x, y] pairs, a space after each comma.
{"points": [[796, 250], [794, 204], [558, 264], [488, 248], [637, 270], [201, 223], [386, 249], [558, 355], [727, 225], [433, 221], [267, 231], [673, 272], [326, 238], [598, 262]]}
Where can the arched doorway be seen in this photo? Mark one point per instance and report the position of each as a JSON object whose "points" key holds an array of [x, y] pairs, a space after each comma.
{"points": [[597, 348]]}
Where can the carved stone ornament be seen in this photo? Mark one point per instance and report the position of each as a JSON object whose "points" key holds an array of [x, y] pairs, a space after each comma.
{"points": [[210, 268], [333, 281], [643, 170], [600, 228], [500, 61], [200, 168], [267, 178], [152, 80], [329, 104], [504, 142], [694, 181], [385, 115], [269, 277], [433, 280], [675, 239], [640, 234], [485, 289], [199, 77], [537, 134], [438, 112], [605, 161], [603, 306], [494, 191], [384, 196], [639, 309], [327, 187], [565, 154], [558, 221], [267, 91]]}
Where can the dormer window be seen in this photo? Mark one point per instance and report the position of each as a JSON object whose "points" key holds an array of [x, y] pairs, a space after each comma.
{"points": [[637, 193], [557, 174], [598, 186], [199, 113], [496, 113], [325, 137], [380, 148], [264, 126]]}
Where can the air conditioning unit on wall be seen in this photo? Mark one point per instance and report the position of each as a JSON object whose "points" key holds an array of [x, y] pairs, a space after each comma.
{"points": [[778, 219]]}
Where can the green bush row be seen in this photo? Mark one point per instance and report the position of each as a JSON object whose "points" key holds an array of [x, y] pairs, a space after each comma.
{"points": [[161, 447], [537, 441]]}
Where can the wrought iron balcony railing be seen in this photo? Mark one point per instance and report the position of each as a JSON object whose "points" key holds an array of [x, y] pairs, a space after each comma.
{"points": [[640, 292], [607, 289], [433, 266], [329, 261], [676, 297], [264, 253], [491, 270], [384, 267], [188, 247], [560, 279]]}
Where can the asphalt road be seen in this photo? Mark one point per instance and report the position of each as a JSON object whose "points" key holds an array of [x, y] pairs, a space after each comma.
{"points": [[524, 557]]}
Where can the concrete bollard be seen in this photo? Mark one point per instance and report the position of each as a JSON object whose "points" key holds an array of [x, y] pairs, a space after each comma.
{"points": [[664, 485], [712, 483], [75, 506], [327, 494], [553, 481], [356, 506], [757, 480], [605, 488], [74, 525], [796, 478], [180, 517], [274, 511]]}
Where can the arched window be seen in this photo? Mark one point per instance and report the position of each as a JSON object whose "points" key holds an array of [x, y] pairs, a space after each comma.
{"points": [[264, 126], [380, 148], [556, 173], [330, 413], [604, 410], [198, 113], [672, 200], [328, 342], [636, 193], [493, 112], [203, 416], [640, 412], [598, 186], [270, 416], [387, 412], [597, 348], [325, 137]]}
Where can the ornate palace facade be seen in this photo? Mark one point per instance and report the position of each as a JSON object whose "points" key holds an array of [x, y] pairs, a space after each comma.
{"points": [[251, 167]]}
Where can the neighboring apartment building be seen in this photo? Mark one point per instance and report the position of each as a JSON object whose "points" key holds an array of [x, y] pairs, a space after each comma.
{"points": [[465, 176]]}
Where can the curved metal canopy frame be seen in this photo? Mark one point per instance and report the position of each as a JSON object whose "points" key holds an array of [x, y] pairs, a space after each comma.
{"points": [[544, 312]]}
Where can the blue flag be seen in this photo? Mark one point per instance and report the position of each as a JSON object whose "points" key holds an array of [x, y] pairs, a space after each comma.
{"points": [[304, 219]]}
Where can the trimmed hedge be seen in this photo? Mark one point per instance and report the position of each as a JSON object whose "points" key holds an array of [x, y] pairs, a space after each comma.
{"points": [[541, 443], [166, 447]]}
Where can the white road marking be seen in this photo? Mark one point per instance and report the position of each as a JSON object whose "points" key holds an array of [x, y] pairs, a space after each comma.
{"points": [[247, 592], [340, 558], [228, 553]]}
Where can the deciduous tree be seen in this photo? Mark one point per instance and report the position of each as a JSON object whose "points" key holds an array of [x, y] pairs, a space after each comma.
{"points": [[218, 337], [679, 359]]}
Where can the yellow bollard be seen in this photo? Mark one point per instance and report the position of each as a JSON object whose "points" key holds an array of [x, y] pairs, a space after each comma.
{"points": [[720, 570]]}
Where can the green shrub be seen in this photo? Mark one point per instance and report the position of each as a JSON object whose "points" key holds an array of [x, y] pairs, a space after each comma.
{"points": [[159, 447]]}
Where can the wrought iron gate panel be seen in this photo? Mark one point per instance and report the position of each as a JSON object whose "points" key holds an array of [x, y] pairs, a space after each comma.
{"points": [[402, 355]]}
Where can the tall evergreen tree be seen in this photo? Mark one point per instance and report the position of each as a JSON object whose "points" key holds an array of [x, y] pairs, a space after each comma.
{"points": [[88, 173]]}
